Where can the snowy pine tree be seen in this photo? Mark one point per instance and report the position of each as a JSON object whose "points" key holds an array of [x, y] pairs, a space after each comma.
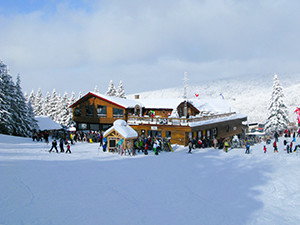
{"points": [[277, 110], [46, 105], [111, 89], [96, 89], [79, 95], [39, 102], [23, 116], [53, 106], [63, 110], [120, 91], [6, 99]]}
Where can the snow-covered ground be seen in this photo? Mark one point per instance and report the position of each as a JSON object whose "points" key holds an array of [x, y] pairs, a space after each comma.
{"points": [[92, 187]]}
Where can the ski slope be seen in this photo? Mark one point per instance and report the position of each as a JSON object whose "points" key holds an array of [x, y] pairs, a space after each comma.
{"points": [[92, 187]]}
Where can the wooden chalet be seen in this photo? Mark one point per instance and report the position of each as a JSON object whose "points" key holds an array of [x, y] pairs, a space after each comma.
{"points": [[176, 119]]}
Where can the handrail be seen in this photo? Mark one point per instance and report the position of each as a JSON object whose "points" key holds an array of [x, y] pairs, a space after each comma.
{"points": [[137, 120]]}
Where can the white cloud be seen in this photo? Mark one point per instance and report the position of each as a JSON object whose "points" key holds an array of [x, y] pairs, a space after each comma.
{"points": [[146, 44]]}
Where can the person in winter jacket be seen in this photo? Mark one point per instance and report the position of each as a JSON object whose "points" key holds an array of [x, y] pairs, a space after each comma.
{"points": [[61, 145], [275, 146], [226, 146], [155, 147], [291, 146], [265, 149], [54, 145], [215, 143], [247, 148], [190, 146], [68, 148]]}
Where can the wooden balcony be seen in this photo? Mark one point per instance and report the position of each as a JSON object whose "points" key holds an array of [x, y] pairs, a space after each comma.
{"points": [[157, 120]]}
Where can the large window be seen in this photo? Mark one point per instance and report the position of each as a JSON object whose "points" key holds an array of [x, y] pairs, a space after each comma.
{"points": [[89, 111], [117, 112], [101, 111], [77, 112], [82, 126], [168, 134], [94, 126]]}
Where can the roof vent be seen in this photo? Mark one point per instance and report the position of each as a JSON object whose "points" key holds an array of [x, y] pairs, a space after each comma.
{"points": [[137, 97]]}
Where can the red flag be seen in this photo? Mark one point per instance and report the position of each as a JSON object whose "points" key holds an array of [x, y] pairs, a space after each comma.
{"points": [[197, 95]]}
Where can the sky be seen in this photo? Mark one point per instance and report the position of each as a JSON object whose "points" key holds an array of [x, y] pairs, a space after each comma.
{"points": [[74, 45]]}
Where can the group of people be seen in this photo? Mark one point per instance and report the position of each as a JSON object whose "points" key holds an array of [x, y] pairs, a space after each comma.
{"points": [[62, 142]]}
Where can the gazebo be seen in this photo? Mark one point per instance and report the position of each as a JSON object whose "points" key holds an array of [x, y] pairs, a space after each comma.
{"points": [[120, 135]]}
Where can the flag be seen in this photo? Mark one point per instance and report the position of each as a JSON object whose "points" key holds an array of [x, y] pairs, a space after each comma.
{"points": [[197, 95]]}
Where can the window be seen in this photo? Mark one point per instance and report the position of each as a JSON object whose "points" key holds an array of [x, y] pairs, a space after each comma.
{"points": [[106, 126], [94, 126], [117, 112], [154, 133], [89, 111], [227, 128], [168, 134], [77, 112], [82, 126], [101, 111]]}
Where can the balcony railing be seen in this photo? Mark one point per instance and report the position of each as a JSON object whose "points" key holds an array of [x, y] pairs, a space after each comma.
{"points": [[157, 120]]}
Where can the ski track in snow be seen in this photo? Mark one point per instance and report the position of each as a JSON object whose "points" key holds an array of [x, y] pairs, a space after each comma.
{"points": [[92, 187]]}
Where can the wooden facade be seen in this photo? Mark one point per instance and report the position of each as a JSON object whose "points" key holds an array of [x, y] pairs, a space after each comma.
{"points": [[92, 112]]}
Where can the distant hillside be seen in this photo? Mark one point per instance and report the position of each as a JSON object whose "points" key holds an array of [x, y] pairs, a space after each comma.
{"points": [[250, 95]]}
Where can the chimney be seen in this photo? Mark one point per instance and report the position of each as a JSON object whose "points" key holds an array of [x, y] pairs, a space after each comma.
{"points": [[137, 97]]}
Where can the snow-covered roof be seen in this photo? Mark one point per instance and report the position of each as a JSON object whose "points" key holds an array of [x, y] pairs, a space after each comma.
{"points": [[123, 129], [125, 103], [122, 102], [218, 120], [161, 103], [45, 123], [214, 105]]}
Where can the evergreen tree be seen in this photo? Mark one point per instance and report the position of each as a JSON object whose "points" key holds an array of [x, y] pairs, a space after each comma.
{"points": [[47, 105], [120, 91], [63, 110], [54, 106], [79, 95], [24, 121], [31, 99], [277, 110], [111, 89], [6, 98], [96, 89], [38, 110]]}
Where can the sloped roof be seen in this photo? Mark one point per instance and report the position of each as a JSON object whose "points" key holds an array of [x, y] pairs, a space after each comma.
{"points": [[121, 102], [45, 123], [123, 129], [163, 103], [214, 105]]}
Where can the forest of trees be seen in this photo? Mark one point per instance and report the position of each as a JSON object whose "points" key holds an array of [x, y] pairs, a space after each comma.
{"points": [[18, 110], [16, 115]]}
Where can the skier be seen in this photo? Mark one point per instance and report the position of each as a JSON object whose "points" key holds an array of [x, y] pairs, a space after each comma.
{"points": [[265, 149], [215, 143], [294, 137], [291, 146], [146, 148], [276, 135], [190, 146], [247, 148], [68, 148], [226, 146], [61, 145], [155, 146], [54, 145], [275, 146]]}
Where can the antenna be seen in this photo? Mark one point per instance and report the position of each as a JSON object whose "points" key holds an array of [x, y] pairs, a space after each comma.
{"points": [[185, 85]]}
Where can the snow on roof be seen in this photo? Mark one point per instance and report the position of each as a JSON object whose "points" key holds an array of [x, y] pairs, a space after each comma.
{"points": [[161, 103], [214, 105], [125, 103], [45, 123], [218, 120], [122, 128]]}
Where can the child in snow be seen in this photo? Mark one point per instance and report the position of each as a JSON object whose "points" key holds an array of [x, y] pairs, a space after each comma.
{"points": [[68, 148], [265, 149], [275, 146], [247, 148], [226, 146]]}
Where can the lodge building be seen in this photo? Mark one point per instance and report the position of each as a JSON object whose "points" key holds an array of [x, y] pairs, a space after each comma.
{"points": [[176, 119]]}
